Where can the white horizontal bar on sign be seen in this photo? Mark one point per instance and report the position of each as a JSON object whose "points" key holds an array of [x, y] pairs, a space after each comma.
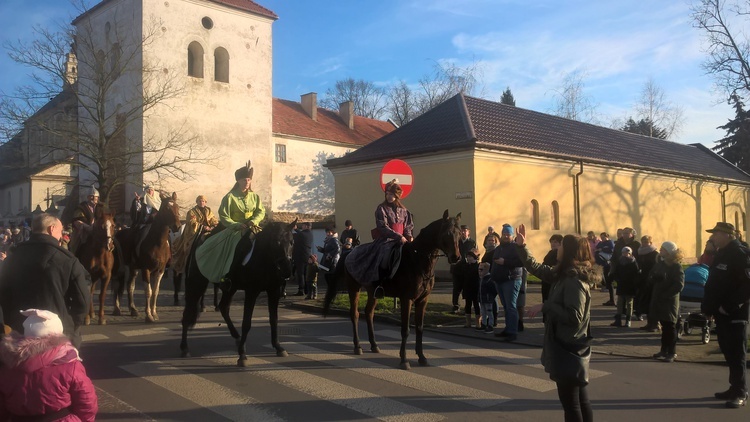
{"points": [[207, 394], [403, 179]]}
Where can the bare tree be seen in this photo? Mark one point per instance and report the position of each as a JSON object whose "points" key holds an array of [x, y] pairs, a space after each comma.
{"points": [[101, 128], [728, 47], [572, 102], [654, 107], [402, 104], [368, 99]]}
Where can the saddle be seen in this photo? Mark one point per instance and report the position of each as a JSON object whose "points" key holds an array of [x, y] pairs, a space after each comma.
{"points": [[374, 261]]}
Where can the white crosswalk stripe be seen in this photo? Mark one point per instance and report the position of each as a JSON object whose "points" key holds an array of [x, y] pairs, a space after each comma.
{"points": [[144, 332], [214, 397], [352, 398], [412, 380]]}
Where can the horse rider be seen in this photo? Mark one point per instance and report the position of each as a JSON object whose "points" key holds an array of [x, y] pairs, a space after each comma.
{"points": [[394, 225], [83, 220], [143, 209], [241, 211], [199, 219]]}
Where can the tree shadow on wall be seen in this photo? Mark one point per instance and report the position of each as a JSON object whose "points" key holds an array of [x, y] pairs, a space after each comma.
{"points": [[314, 193]]}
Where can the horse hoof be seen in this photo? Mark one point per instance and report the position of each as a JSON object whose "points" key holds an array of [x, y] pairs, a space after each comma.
{"points": [[243, 362], [282, 353], [357, 350], [102, 321], [156, 317], [405, 366], [375, 349], [185, 354], [149, 319], [134, 313], [423, 362], [117, 312], [87, 321]]}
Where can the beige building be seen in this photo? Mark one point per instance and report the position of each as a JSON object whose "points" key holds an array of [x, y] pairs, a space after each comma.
{"points": [[498, 164], [208, 63]]}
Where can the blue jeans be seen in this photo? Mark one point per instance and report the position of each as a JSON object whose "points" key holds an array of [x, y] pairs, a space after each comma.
{"points": [[508, 291]]}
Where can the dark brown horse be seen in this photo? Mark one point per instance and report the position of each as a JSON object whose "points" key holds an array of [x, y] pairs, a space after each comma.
{"points": [[150, 256], [266, 271], [96, 256], [412, 284]]}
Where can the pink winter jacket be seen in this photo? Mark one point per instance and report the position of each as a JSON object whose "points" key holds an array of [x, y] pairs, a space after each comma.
{"points": [[44, 375]]}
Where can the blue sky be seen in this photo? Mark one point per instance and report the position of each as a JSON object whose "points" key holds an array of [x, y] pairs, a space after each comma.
{"points": [[528, 46]]}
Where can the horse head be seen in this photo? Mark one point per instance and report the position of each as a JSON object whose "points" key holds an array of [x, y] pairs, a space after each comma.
{"points": [[449, 237], [107, 223], [285, 241], [170, 212]]}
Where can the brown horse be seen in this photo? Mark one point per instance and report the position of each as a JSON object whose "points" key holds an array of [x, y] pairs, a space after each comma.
{"points": [[150, 257], [412, 283], [96, 256]]}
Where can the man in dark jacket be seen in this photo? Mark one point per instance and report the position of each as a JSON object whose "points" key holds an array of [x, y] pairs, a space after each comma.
{"points": [[727, 299], [41, 274], [627, 239], [303, 242], [507, 272], [349, 233]]}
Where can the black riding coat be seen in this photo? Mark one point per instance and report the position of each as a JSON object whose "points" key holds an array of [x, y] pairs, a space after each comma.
{"points": [[40, 274], [728, 284]]}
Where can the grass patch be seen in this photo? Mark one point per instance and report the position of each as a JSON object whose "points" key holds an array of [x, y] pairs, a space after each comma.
{"points": [[437, 313]]}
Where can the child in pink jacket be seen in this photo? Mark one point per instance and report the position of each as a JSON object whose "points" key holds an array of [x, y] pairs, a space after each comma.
{"points": [[42, 375]]}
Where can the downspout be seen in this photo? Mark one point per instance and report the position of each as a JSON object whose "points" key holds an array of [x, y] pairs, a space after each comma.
{"points": [[577, 199], [724, 203]]}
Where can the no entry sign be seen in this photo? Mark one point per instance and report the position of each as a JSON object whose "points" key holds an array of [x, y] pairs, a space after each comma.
{"points": [[397, 169]]}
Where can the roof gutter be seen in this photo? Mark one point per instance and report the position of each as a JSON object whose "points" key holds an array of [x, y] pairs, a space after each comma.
{"points": [[723, 194], [577, 198]]}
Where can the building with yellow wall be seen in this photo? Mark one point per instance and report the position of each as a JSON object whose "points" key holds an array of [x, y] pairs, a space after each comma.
{"points": [[498, 164]]}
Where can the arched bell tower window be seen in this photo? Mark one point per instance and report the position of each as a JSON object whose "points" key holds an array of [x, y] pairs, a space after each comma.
{"points": [[195, 60], [534, 214], [555, 215], [221, 65]]}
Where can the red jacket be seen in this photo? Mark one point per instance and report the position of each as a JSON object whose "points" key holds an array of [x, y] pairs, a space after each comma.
{"points": [[41, 376]]}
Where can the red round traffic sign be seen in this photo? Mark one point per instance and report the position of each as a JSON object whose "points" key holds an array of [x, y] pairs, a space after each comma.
{"points": [[397, 169]]}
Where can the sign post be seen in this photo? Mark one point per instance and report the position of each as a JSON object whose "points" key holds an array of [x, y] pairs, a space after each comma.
{"points": [[398, 169]]}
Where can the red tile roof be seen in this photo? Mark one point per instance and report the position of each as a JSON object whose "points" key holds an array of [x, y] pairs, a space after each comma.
{"points": [[249, 6], [290, 119], [246, 5]]}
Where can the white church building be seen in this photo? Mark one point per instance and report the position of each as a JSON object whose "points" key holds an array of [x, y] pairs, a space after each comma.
{"points": [[199, 71]]}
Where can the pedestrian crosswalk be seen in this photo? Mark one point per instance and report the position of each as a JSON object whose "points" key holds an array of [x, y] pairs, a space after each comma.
{"points": [[324, 371]]}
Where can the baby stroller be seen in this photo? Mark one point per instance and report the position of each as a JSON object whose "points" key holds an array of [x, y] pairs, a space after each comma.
{"points": [[691, 296]]}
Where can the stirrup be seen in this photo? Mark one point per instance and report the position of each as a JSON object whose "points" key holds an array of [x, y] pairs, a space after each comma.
{"points": [[379, 293]]}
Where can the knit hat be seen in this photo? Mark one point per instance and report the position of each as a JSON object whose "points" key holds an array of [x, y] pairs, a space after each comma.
{"points": [[244, 172], [41, 323], [627, 249], [670, 247], [507, 228]]}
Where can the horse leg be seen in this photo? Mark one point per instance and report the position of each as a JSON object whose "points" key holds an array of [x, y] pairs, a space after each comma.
{"points": [[195, 288], [405, 312], [247, 320], [216, 296], [177, 279], [117, 291], [370, 318], [420, 309], [90, 315], [131, 292], [226, 301], [156, 281], [146, 276], [103, 296], [274, 294], [354, 316]]}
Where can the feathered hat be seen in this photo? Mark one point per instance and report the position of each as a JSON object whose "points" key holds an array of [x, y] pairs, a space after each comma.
{"points": [[244, 172], [394, 188]]}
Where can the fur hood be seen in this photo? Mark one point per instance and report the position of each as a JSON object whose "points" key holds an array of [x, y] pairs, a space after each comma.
{"points": [[588, 273], [30, 353]]}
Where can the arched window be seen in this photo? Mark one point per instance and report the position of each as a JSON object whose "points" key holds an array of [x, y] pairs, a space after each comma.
{"points": [[534, 214], [555, 215], [221, 65], [744, 221], [195, 60]]}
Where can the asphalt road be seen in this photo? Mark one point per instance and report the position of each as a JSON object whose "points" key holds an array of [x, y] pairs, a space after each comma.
{"points": [[139, 375]]}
